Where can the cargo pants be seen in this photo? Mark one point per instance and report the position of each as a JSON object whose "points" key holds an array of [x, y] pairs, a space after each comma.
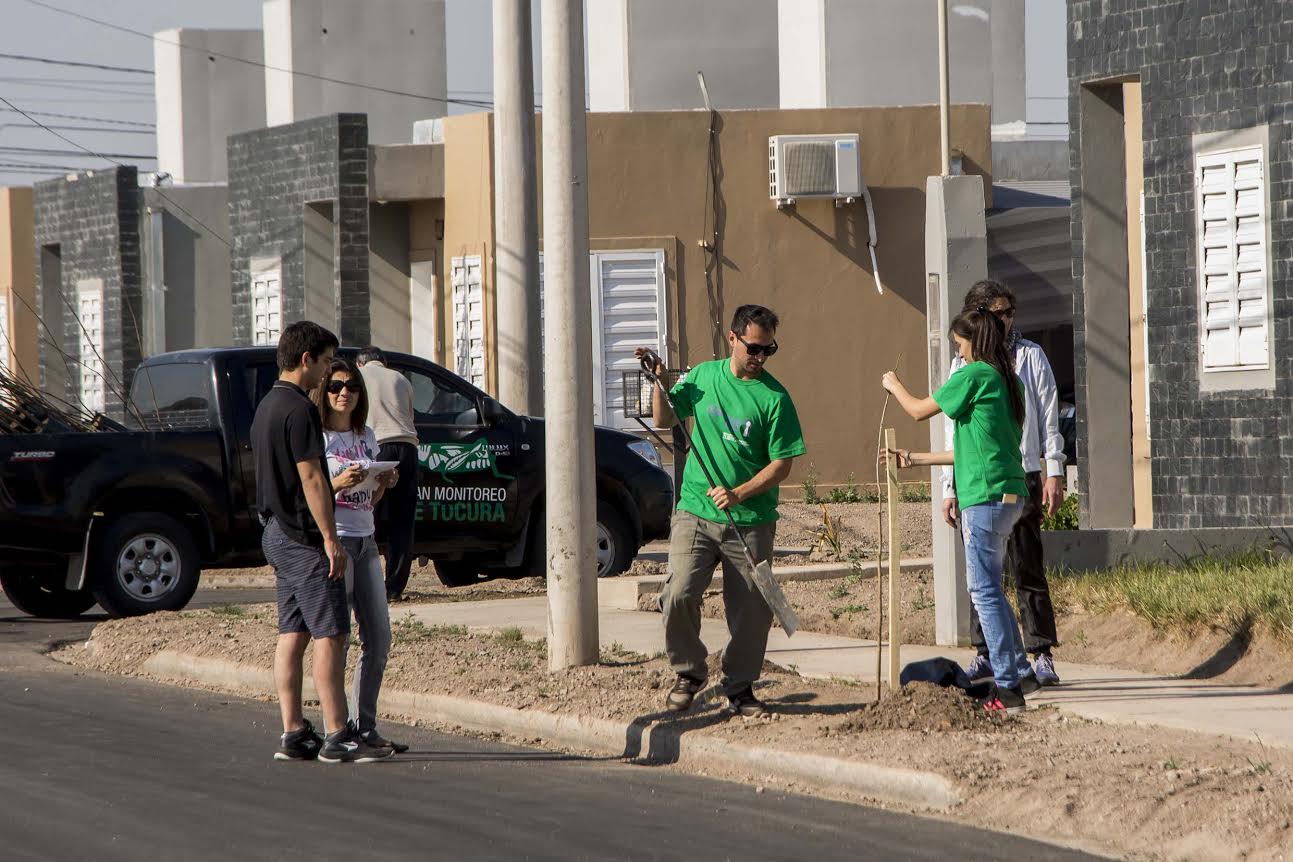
{"points": [[696, 547]]}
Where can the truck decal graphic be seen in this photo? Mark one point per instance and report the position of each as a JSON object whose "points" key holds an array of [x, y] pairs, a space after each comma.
{"points": [[455, 458]]}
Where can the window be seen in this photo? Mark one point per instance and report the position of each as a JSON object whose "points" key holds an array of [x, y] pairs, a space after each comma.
{"points": [[4, 330], [628, 311], [89, 309], [174, 396], [468, 320], [436, 404], [266, 306], [1230, 211]]}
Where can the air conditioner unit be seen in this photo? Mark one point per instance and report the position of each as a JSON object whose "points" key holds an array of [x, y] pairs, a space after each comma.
{"points": [[814, 166]]}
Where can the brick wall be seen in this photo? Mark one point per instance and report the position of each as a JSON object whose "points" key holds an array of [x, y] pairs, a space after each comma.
{"points": [[94, 219], [1218, 459], [273, 174]]}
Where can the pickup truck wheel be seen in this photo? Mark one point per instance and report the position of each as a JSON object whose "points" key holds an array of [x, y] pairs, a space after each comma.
{"points": [[615, 549], [145, 562], [457, 573], [39, 594]]}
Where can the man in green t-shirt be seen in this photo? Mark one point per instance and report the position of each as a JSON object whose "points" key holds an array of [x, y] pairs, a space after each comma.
{"points": [[747, 431]]}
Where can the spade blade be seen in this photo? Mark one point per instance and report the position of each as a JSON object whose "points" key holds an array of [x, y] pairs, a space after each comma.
{"points": [[766, 581]]}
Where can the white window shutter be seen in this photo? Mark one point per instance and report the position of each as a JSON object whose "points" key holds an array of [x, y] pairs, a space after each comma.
{"points": [[468, 319], [1232, 254], [266, 307], [89, 301], [628, 311], [4, 330]]}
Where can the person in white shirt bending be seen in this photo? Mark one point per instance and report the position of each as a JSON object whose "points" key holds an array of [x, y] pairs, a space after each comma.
{"points": [[1042, 447], [351, 447]]}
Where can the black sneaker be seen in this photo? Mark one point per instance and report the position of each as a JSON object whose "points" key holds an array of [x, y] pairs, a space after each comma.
{"points": [[303, 744], [340, 746], [746, 705], [683, 693], [1004, 701], [375, 740]]}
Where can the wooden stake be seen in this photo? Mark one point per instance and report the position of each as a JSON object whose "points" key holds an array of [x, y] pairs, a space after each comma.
{"points": [[895, 565]]}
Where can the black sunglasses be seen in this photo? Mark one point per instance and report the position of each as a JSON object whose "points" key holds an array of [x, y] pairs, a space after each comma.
{"points": [[335, 386], [758, 349]]}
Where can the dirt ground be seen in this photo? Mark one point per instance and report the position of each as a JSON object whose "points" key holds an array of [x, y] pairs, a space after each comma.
{"points": [[801, 525], [1143, 793]]}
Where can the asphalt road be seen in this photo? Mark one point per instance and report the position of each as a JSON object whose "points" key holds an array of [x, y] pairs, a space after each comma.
{"points": [[108, 768]]}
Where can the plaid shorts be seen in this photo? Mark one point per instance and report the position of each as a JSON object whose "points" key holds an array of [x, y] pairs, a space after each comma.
{"points": [[308, 600]]}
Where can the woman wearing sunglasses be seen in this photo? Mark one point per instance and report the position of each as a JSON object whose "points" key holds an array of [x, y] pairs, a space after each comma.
{"points": [[985, 401], [350, 446]]}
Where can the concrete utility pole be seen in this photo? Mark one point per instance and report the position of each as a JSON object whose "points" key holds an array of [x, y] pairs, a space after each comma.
{"points": [[568, 353], [516, 211], [944, 89]]}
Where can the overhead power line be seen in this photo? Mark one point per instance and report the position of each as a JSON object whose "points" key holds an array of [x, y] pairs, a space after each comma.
{"points": [[42, 151], [107, 130], [109, 158], [473, 103], [79, 64], [82, 88], [85, 117]]}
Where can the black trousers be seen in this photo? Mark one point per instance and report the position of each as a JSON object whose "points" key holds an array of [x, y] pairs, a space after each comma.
{"points": [[1024, 560], [397, 509]]}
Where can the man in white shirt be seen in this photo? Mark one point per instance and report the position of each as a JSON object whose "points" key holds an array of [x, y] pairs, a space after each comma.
{"points": [[390, 415], [1042, 448]]}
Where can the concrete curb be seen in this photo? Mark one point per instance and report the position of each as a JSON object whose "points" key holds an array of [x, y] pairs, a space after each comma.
{"points": [[623, 592], [635, 740]]}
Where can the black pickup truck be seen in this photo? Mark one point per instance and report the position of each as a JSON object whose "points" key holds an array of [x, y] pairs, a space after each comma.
{"points": [[128, 519]]}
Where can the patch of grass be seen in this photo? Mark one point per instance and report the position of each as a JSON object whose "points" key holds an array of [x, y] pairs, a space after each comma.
{"points": [[839, 591], [853, 608], [848, 493], [809, 486], [411, 630], [617, 654], [1233, 594], [511, 635], [229, 611], [1065, 518], [922, 600], [914, 492]]}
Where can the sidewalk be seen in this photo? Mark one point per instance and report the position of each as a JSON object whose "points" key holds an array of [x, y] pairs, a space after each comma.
{"points": [[1107, 694]]}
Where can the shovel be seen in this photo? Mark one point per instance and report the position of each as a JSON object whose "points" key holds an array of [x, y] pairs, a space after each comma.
{"points": [[761, 572]]}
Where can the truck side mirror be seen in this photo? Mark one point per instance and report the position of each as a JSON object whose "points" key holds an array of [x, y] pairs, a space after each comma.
{"points": [[491, 412]]}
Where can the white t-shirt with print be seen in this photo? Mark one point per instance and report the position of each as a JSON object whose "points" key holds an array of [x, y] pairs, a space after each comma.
{"points": [[354, 505]]}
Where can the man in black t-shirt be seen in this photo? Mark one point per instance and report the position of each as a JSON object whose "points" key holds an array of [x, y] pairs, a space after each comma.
{"points": [[295, 501]]}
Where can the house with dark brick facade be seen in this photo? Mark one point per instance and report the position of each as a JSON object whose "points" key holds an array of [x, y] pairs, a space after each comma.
{"points": [[1181, 150]]}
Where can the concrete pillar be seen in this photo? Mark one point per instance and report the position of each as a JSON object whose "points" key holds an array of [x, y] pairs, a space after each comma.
{"points": [[643, 55], [956, 256], [516, 211], [568, 355], [394, 47], [204, 98]]}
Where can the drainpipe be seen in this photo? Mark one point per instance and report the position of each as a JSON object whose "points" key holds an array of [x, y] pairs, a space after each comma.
{"points": [[155, 307], [943, 89]]}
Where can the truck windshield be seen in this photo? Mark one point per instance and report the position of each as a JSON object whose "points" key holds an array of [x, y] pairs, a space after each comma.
{"points": [[175, 396]]}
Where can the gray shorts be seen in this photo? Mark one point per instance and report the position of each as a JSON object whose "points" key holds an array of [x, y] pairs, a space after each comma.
{"points": [[308, 600]]}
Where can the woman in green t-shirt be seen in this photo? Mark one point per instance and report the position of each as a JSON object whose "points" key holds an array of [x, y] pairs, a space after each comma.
{"points": [[985, 401]]}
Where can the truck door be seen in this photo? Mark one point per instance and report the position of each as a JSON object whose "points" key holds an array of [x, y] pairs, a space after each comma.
{"points": [[249, 380], [467, 471]]}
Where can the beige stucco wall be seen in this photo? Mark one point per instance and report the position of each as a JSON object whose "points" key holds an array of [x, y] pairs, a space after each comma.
{"points": [[18, 280], [647, 189]]}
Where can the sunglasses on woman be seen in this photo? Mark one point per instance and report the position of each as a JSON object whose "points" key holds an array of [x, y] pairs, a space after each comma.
{"points": [[758, 349], [335, 386]]}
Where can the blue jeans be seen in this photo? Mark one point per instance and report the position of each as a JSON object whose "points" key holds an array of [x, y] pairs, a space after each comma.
{"points": [[986, 528], [367, 585]]}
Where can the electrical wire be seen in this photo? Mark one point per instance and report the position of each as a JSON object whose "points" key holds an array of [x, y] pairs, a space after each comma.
{"points": [[28, 58], [158, 191], [84, 117], [474, 103], [101, 129], [43, 151]]}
